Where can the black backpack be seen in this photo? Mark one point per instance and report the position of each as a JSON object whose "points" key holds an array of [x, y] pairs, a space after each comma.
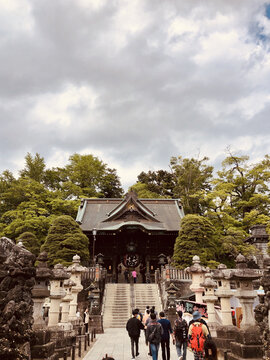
{"points": [[155, 336], [180, 330]]}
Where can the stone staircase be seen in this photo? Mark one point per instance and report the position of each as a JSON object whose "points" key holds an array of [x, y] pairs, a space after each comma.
{"points": [[117, 308], [120, 298], [146, 295]]}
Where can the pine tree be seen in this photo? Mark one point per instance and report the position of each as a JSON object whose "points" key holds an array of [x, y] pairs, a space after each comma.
{"points": [[65, 239], [196, 237]]}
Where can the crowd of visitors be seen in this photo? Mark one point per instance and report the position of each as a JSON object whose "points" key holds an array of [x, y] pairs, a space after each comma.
{"points": [[158, 331]]}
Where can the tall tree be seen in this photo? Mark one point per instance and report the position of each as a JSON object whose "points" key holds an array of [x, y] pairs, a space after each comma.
{"points": [[65, 239], [86, 175], [197, 236], [34, 167], [240, 195], [160, 182], [192, 178], [143, 192]]}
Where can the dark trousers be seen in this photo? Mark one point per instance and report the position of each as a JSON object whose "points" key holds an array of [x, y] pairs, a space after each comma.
{"points": [[165, 347], [134, 341], [86, 327]]}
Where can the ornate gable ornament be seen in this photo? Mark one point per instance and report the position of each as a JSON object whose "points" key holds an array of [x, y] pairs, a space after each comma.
{"points": [[131, 209]]}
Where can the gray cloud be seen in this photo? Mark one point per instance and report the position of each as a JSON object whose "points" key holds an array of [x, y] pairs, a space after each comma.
{"points": [[133, 82]]}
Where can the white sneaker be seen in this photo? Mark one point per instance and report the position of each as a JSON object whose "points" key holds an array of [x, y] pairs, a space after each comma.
{"points": [[181, 358]]}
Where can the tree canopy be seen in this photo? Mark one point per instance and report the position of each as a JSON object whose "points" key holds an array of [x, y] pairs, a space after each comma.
{"points": [[228, 201], [64, 240], [32, 201]]}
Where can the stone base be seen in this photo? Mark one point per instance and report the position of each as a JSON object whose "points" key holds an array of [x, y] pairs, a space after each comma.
{"points": [[45, 351], [63, 341], [225, 335], [243, 351], [42, 347], [239, 344]]}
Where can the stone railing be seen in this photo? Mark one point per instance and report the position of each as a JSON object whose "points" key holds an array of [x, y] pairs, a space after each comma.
{"points": [[167, 275], [170, 273]]}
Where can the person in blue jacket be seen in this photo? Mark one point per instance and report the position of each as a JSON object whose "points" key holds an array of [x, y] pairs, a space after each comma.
{"points": [[165, 340]]}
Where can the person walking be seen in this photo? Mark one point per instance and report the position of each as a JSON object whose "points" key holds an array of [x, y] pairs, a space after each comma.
{"points": [[134, 327], [126, 274], [134, 275], [86, 319], [154, 333], [197, 334], [180, 335], [165, 339]]}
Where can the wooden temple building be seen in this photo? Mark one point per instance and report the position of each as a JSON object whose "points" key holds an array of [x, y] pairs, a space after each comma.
{"points": [[130, 233]]}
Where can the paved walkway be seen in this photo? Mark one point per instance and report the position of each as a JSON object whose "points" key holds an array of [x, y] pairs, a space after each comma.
{"points": [[116, 343]]}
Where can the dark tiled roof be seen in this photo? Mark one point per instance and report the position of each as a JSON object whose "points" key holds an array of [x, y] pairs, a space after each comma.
{"points": [[155, 214]]}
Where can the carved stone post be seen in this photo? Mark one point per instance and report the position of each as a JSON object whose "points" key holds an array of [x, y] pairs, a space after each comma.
{"points": [[197, 272], [224, 292], [245, 292], [210, 298], [65, 324], [262, 311], [75, 269], [40, 290], [57, 293]]}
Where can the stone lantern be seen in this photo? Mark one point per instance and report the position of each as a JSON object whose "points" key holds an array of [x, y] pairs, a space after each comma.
{"points": [[100, 259], [57, 293], [210, 298], [65, 324], [245, 293], [224, 292], [75, 270], [171, 296], [197, 272], [262, 310], [162, 259], [40, 290]]}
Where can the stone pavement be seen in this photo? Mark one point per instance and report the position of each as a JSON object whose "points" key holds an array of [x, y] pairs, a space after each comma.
{"points": [[116, 343]]}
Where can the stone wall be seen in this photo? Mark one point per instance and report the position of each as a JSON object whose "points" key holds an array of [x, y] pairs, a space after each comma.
{"points": [[17, 273]]}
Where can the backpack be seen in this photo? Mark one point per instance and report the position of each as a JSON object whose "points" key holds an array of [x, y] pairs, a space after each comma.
{"points": [[197, 338], [180, 330], [155, 336]]}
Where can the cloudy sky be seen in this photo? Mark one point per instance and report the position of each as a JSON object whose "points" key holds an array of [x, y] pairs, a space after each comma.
{"points": [[133, 82]]}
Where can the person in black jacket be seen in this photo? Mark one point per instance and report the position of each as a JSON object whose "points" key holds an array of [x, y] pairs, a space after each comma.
{"points": [[134, 327]]}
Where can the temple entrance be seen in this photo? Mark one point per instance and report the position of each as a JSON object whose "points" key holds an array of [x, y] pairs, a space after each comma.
{"points": [[130, 234], [134, 249]]}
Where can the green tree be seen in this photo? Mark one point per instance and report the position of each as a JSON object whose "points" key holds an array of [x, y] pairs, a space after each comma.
{"points": [[197, 236], [64, 240], [192, 178], [34, 167], [27, 206], [143, 191], [30, 242], [86, 175], [240, 195], [160, 182]]}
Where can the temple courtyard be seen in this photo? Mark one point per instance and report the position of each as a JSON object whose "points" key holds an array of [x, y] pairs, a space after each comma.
{"points": [[116, 343]]}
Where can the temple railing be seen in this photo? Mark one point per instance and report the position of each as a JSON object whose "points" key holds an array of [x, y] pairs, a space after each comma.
{"points": [[167, 274]]}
